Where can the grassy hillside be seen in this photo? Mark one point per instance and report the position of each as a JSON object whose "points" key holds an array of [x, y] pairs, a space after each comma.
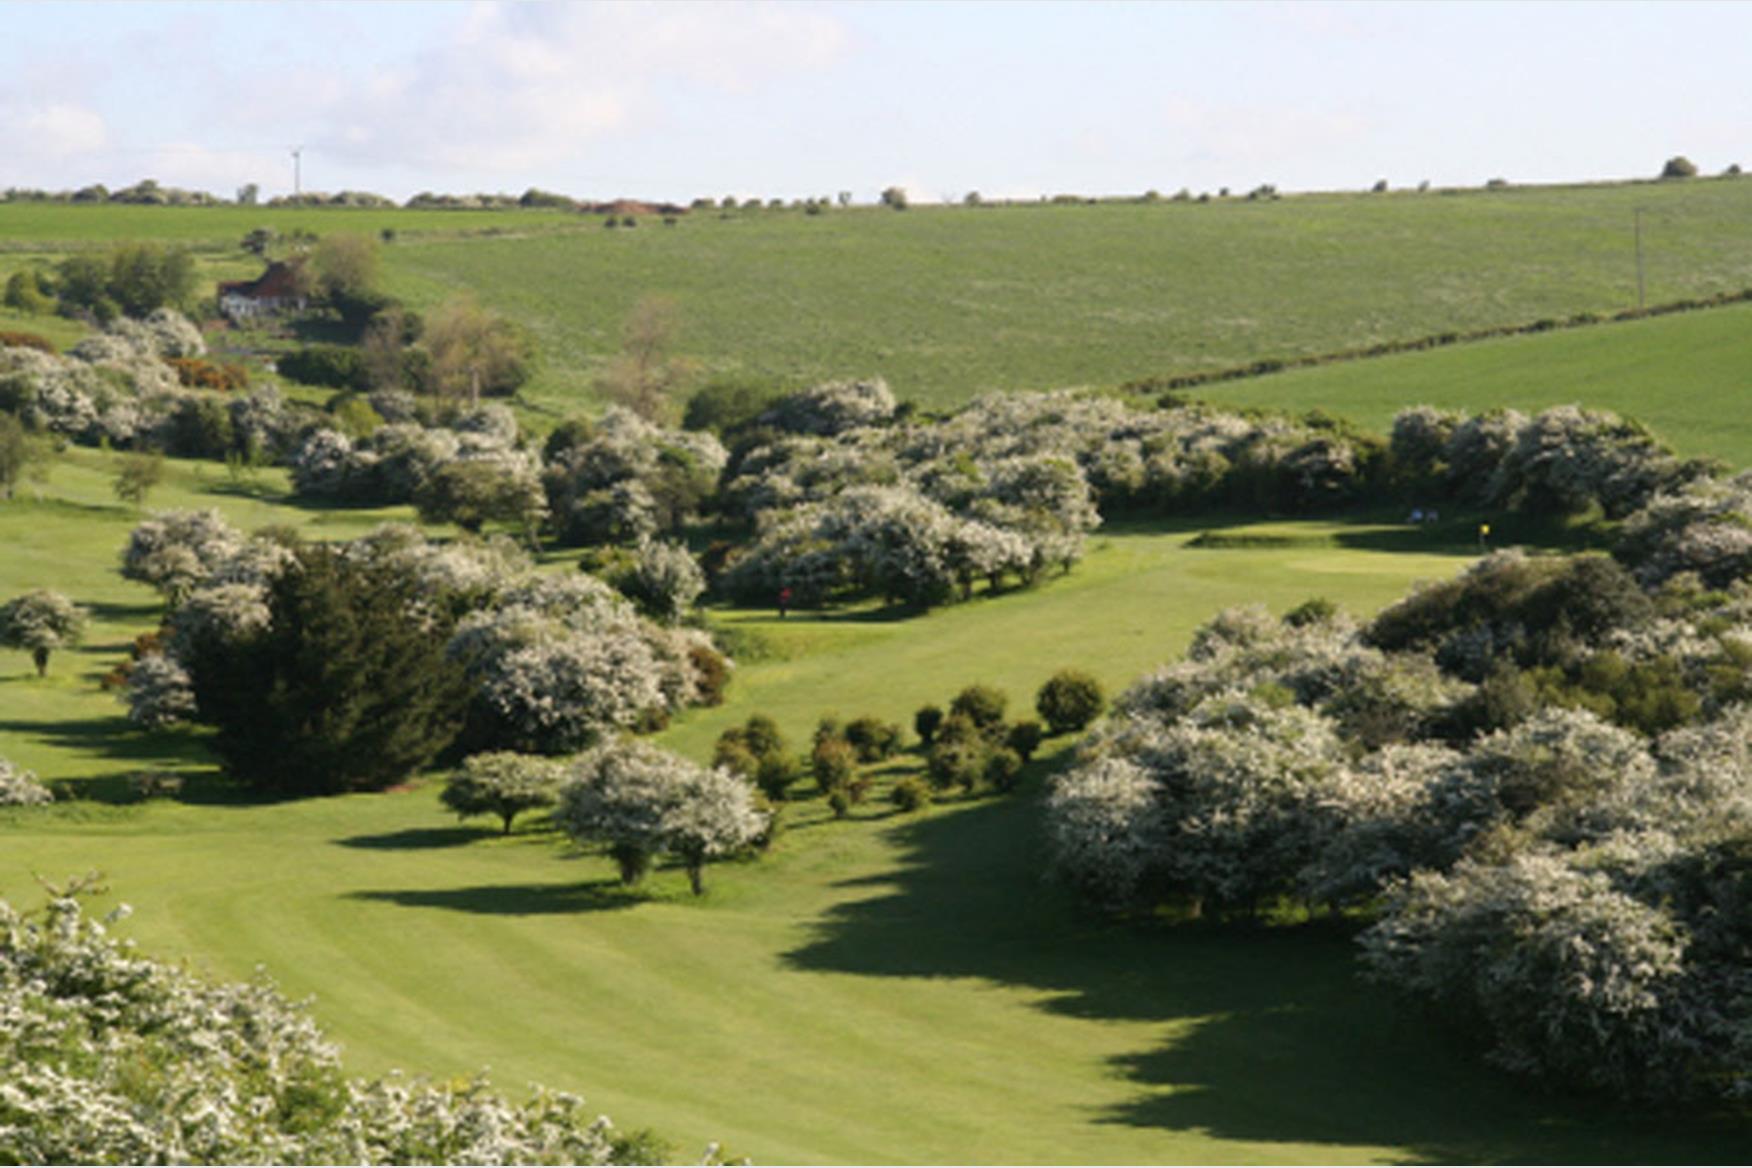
{"points": [[884, 989], [61, 227], [949, 301], [1689, 376]]}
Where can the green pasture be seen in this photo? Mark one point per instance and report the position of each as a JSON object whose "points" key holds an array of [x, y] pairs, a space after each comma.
{"points": [[947, 302], [48, 228], [1688, 376], [883, 989]]}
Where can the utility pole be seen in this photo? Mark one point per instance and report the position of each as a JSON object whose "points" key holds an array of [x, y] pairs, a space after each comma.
{"points": [[297, 176], [1640, 299]]}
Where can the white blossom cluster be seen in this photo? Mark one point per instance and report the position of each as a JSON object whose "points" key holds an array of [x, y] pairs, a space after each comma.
{"points": [[559, 660], [175, 550], [117, 387], [1564, 460], [20, 788], [665, 580], [1569, 890], [890, 541], [1017, 467], [113, 1058], [628, 479], [832, 408], [399, 462], [555, 660], [1705, 528]]}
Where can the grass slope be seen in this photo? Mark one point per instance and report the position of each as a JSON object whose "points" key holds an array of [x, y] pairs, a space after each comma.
{"points": [[949, 301], [47, 228], [879, 990], [1685, 375]]}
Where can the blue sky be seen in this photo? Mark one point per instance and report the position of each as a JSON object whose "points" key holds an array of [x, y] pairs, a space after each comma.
{"points": [[679, 99]]}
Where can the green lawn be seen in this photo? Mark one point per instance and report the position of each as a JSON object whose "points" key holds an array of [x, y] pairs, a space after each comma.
{"points": [[883, 989], [949, 301]]}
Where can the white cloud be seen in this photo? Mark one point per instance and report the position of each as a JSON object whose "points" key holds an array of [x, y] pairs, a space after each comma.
{"points": [[52, 130], [522, 86]]}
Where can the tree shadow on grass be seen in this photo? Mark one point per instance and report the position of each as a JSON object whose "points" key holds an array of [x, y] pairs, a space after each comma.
{"points": [[114, 737], [518, 900], [109, 611], [1274, 1038], [419, 837]]}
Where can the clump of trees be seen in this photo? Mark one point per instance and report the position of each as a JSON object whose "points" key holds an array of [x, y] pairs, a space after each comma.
{"points": [[380, 653], [640, 802], [132, 280], [1532, 779], [129, 387], [623, 479], [113, 1057]]}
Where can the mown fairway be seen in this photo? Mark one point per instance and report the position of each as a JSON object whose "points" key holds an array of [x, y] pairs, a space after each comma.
{"points": [[885, 989], [947, 302]]}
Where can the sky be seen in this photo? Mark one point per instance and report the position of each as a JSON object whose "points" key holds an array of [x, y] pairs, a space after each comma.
{"points": [[679, 99]]}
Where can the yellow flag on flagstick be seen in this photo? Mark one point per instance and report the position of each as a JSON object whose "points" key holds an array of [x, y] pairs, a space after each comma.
{"points": [[1484, 529]]}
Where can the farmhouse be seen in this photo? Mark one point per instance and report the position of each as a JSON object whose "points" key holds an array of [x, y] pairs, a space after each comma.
{"points": [[279, 289]]}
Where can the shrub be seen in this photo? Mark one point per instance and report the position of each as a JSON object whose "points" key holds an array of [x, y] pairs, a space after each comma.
{"points": [[956, 762], [1024, 738], [763, 736], [925, 723], [731, 752], [910, 794], [711, 674], [774, 774], [145, 785], [18, 340], [1679, 166], [1314, 611], [1069, 701], [983, 705], [873, 738], [335, 366], [832, 762], [1003, 767], [20, 788]]}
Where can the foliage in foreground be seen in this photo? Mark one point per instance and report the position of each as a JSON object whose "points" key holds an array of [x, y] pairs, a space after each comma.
{"points": [[113, 1058]]}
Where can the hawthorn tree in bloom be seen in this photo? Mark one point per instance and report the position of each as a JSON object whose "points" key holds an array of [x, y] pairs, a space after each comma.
{"points": [[40, 622], [640, 800], [501, 783]]}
